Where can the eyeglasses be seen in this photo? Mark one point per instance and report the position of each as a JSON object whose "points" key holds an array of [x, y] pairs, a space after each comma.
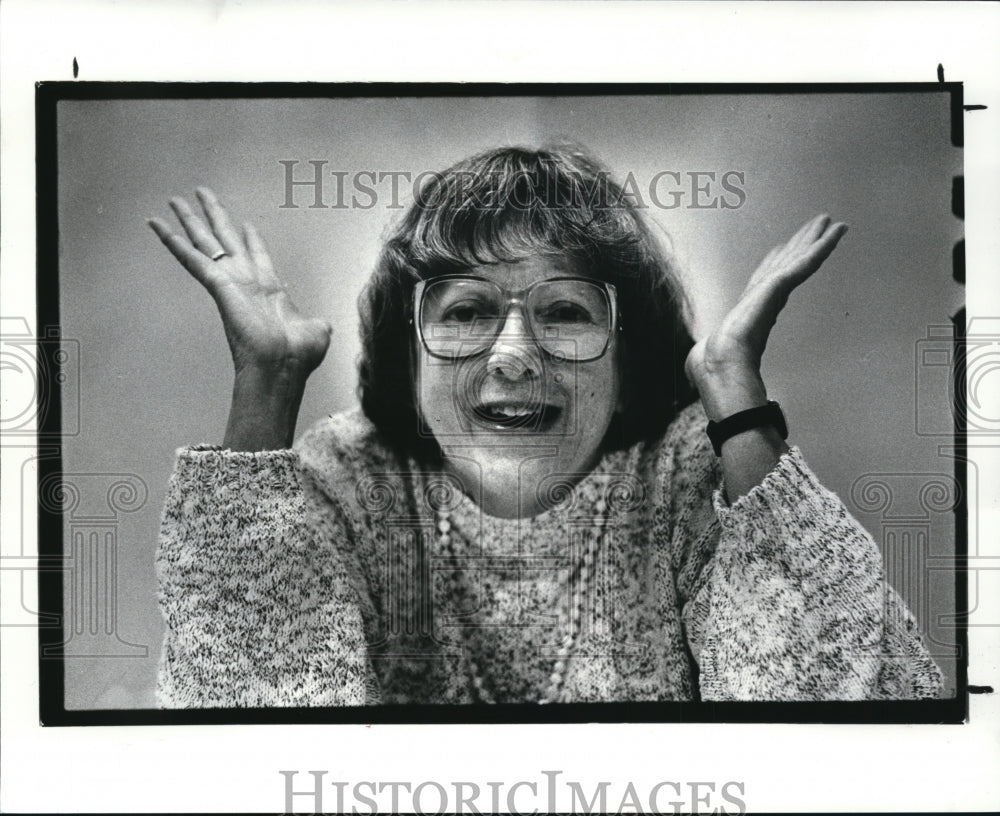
{"points": [[460, 316]]}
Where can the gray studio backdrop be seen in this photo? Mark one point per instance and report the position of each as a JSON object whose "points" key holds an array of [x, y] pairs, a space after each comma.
{"points": [[844, 360]]}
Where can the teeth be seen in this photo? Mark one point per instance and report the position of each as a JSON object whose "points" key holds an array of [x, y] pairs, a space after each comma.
{"points": [[510, 411]]}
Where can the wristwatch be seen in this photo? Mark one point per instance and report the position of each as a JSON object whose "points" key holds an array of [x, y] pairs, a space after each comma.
{"points": [[770, 414]]}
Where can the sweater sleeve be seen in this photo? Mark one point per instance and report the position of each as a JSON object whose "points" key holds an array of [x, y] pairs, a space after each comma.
{"points": [[257, 608], [787, 598]]}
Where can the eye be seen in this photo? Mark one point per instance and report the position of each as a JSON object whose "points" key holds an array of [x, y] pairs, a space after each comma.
{"points": [[564, 312], [467, 311]]}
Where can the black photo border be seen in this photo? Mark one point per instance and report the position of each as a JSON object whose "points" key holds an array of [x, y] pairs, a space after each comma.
{"points": [[51, 666]]}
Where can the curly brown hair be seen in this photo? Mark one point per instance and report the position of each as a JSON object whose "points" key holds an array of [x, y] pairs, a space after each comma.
{"points": [[501, 206]]}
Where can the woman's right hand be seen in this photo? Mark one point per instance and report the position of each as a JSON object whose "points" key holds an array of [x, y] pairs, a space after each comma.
{"points": [[274, 346], [264, 328]]}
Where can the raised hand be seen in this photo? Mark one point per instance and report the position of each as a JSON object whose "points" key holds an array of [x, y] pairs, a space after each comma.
{"points": [[725, 365], [274, 346], [263, 326]]}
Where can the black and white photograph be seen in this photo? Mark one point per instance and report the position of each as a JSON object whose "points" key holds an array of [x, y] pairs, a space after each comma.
{"points": [[454, 396], [498, 407]]}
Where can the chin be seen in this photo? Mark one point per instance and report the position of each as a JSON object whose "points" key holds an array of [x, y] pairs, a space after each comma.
{"points": [[512, 472]]}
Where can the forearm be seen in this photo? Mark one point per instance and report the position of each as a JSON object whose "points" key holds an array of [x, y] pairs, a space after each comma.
{"points": [[783, 594], [749, 456], [264, 409], [793, 604], [236, 534]]}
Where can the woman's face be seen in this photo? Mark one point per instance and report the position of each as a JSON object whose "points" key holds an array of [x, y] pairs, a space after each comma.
{"points": [[513, 414]]}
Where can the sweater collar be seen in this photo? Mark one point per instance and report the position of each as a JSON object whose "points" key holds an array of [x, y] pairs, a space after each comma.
{"points": [[571, 503]]}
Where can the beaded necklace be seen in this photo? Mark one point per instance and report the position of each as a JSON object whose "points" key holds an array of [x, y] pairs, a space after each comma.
{"points": [[555, 691]]}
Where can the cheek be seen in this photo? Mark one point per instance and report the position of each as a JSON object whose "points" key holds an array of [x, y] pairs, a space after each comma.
{"points": [[598, 392], [618, 364], [433, 384]]}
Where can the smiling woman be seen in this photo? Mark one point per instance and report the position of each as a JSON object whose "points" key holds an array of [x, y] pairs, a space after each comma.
{"points": [[484, 380], [527, 508]]}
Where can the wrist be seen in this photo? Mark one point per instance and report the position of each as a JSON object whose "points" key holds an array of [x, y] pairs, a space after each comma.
{"points": [[285, 377], [723, 395], [264, 408], [277, 368], [768, 416]]}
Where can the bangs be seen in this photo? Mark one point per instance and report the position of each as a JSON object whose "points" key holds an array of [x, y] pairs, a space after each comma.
{"points": [[505, 207]]}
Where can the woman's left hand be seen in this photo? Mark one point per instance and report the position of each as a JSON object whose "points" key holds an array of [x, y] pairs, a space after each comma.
{"points": [[725, 365]]}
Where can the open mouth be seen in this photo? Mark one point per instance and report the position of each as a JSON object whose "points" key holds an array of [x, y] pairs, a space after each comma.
{"points": [[509, 415]]}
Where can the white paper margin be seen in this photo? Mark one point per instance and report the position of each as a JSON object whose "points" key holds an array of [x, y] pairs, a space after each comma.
{"points": [[235, 768]]}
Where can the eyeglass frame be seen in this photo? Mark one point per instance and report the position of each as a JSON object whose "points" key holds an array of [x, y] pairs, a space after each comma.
{"points": [[518, 297]]}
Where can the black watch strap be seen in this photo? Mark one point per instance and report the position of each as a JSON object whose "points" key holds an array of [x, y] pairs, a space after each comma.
{"points": [[770, 414]]}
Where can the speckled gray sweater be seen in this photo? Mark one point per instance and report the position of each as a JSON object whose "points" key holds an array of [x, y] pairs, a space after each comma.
{"points": [[317, 577]]}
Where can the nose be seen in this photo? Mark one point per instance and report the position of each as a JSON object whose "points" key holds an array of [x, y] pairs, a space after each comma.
{"points": [[514, 353]]}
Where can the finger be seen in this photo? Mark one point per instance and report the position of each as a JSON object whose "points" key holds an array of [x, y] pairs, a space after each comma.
{"points": [[764, 268], [756, 312], [793, 247], [181, 248], [817, 243], [825, 244], [219, 220], [199, 235], [814, 229], [800, 269], [773, 253], [258, 253], [806, 235], [787, 279], [758, 308]]}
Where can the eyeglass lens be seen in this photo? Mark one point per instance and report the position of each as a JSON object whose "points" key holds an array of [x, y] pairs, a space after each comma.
{"points": [[570, 319]]}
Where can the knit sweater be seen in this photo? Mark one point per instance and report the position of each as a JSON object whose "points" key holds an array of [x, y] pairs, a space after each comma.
{"points": [[318, 577]]}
